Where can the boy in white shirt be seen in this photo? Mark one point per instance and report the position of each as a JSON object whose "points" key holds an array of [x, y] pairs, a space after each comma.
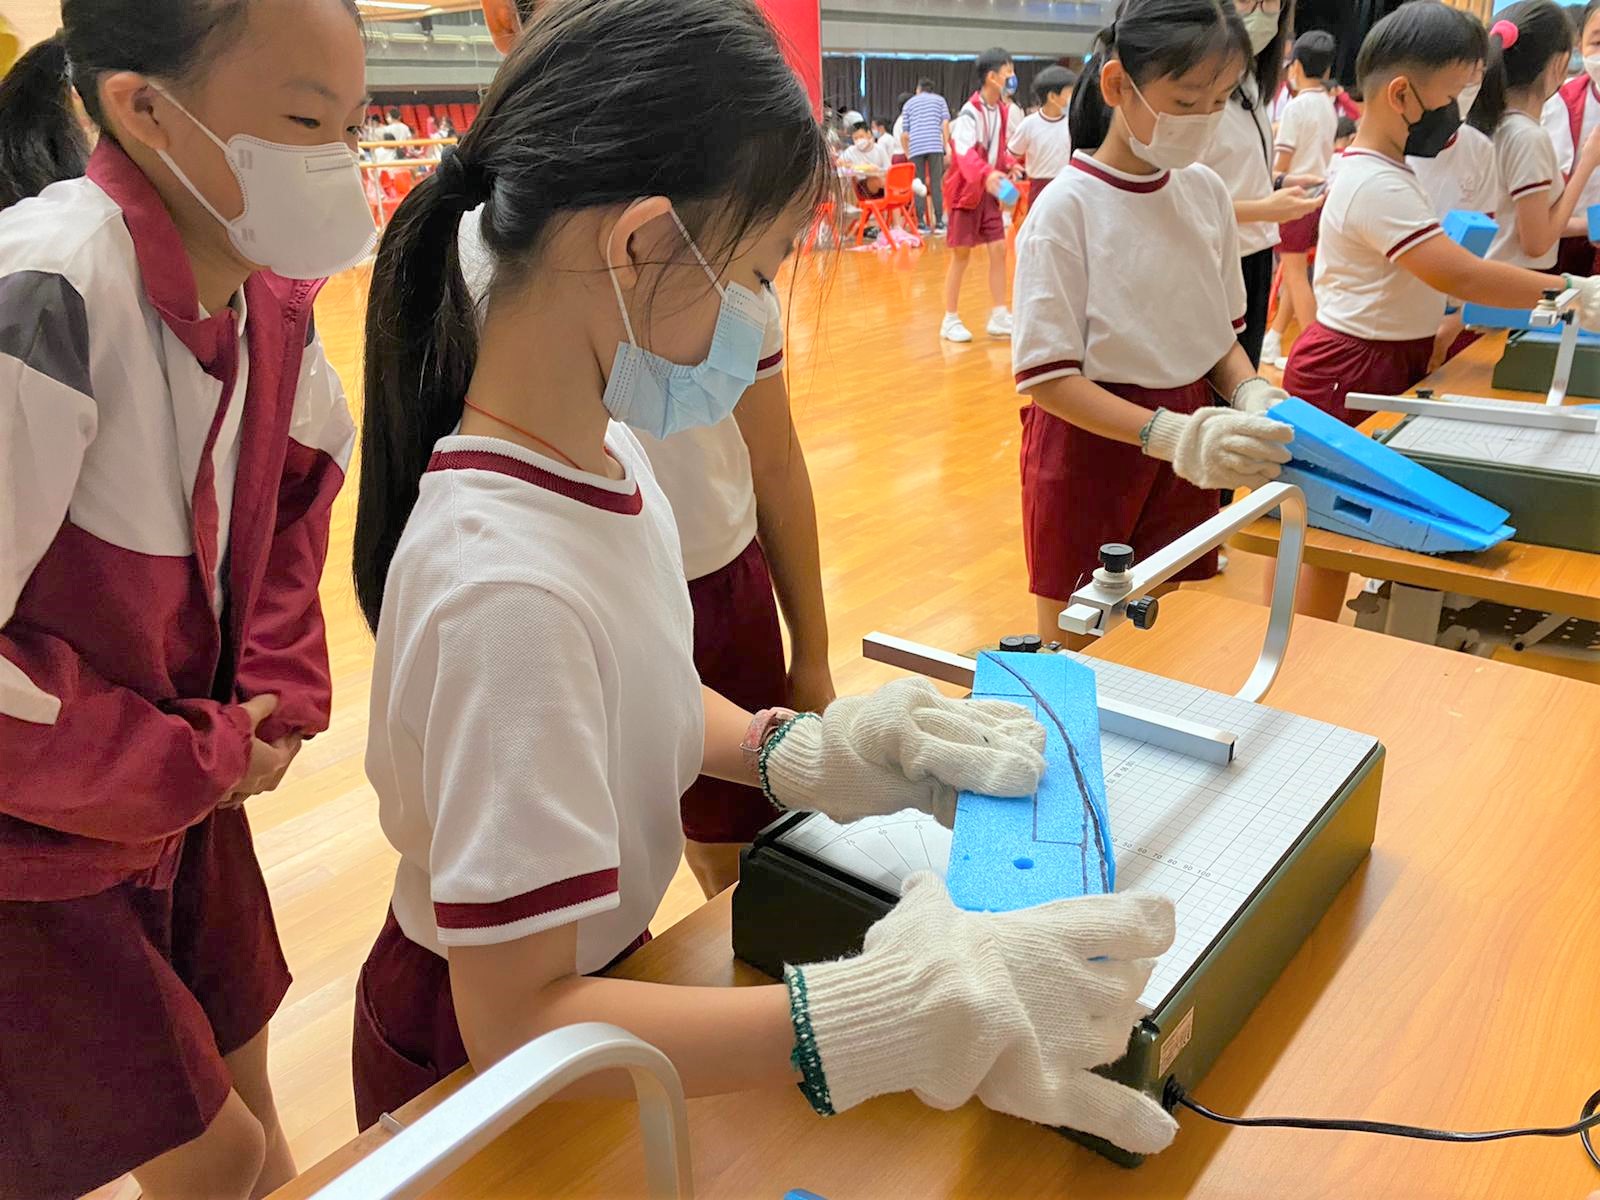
{"points": [[1304, 150], [868, 158], [887, 142], [1041, 140]]}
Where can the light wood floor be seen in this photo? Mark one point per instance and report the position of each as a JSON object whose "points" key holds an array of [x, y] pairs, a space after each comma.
{"points": [[912, 445]]}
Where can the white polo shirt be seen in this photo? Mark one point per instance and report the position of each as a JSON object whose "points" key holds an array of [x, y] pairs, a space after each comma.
{"points": [[872, 156], [1463, 175], [1526, 161], [1309, 126], [535, 708], [1376, 211], [1106, 257], [1045, 145], [705, 474], [1241, 153]]}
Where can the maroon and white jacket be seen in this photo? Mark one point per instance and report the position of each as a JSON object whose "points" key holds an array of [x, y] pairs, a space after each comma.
{"points": [[122, 662]]}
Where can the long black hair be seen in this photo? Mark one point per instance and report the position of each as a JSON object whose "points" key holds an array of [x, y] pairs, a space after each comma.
{"points": [[753, 150], [40, 140], [1543, 32], [1153, 39], [1419, 35]]}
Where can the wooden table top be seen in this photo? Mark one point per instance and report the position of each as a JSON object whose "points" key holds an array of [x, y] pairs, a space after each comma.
{"points": [[1538, 577], [1452, 983]]}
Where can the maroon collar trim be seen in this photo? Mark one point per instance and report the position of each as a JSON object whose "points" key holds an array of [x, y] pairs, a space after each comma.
{"points": [[503, 464], [163, 261], [1353, 152], [1118, 180]]}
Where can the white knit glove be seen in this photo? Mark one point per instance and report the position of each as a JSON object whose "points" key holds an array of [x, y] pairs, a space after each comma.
{"points": [[1217, 448], [1255, 395], [1588, 300], [903, 746], [1014, 1008]]}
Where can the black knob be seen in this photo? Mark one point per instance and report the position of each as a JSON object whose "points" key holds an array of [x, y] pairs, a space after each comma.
{"points": [[1143, 613], [1016, 644], [1552, 293], [1424, 393], [1032, 643], [1115, 557]]}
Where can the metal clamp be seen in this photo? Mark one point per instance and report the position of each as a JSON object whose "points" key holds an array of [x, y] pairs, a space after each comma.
{"points": [[1100, 607], [441, 1141]]}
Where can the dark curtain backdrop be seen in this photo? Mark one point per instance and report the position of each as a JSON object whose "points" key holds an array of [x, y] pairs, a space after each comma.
{"points": [[887, 78]]}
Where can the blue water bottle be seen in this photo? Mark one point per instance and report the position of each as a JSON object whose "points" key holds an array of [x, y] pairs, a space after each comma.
{"points": [[1008, 193]]}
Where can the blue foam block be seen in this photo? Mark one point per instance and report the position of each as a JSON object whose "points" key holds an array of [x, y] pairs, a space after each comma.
{"points": [[1335, 449], [1472, 231], [1344, 507], [1010, 853], [1594, 222], [1481, 316]]}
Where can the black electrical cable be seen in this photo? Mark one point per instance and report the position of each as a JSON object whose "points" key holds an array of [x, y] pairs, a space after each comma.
{"points": [[1588, 1121]]}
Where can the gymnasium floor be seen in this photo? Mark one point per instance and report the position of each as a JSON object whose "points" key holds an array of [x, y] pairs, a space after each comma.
{"points": [[912, 445]]}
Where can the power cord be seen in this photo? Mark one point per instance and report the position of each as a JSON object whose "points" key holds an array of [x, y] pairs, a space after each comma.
{"points": [[1174, 1095]]}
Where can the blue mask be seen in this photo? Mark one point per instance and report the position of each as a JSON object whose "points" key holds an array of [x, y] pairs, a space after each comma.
{"points": [[661, 398], [1011, 84]]}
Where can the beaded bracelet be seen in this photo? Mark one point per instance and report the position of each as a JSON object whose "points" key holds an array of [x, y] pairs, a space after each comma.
{"points": [[772, 744]]}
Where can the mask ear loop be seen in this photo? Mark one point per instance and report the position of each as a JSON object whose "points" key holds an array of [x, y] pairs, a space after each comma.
{"points": [[704, 265], [616, 287], [183, 178]]}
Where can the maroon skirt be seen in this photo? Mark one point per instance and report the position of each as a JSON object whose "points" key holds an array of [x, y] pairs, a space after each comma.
{"points": [[1080, 491], [738, 650], [1299, 236], [116, 1011], [1326, 365], [406, 1038]]}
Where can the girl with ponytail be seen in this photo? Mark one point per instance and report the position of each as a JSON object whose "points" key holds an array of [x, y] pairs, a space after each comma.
{"points": [[535, 707], [1529, 46], [171, 441], [1122, 441]]}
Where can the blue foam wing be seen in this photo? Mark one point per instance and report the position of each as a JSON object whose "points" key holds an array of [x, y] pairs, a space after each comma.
{"points": [[1337, 452], [1344, 507], [1010, 853]]}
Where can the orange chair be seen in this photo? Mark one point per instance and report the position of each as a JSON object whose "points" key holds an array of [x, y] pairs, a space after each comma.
{"points": [[896, 201], [823, 220]]}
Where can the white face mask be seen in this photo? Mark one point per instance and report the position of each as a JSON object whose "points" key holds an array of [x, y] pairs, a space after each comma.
{"points": [[1177, 141], [1591, 66], [1469, 96], [305, 212], [1262, 27]]}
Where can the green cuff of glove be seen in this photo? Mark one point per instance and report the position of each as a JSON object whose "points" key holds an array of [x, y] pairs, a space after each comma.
{"points": [[772, 744], [807, 1059]]}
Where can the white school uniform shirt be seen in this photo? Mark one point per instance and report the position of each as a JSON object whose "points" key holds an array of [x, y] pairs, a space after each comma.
{"points": [[1526, 161], [1463, 175], [1045, 144], [225, 451], [1376, 211], [1309, 126], [890, 145], [1105, 257], [1558, 125], [872, 156], [535, 708], [705, 473], [1241, 153]]}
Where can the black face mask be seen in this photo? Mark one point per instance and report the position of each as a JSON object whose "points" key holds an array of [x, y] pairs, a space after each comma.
{"points": [[1432, 131]]}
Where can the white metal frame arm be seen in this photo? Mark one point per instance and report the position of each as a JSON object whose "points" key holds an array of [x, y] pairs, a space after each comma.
{"points": [[441, 1141], [1482, 409], [1097, 609]]}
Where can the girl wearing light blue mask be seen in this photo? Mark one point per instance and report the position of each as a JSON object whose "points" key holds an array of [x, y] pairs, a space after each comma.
{"points": [[536, 710]]}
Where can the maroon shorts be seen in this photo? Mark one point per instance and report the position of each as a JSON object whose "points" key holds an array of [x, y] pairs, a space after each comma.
{"points": [[1036, 189], [1325, 365], [406, 1038], [975, 226], [1080, 491], [1577, 256], [1299, 236], [116, 1010], [865, 191], [738, 650]]}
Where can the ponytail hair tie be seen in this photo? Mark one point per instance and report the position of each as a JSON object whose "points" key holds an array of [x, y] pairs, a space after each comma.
{"points": [[1506, 31]]}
